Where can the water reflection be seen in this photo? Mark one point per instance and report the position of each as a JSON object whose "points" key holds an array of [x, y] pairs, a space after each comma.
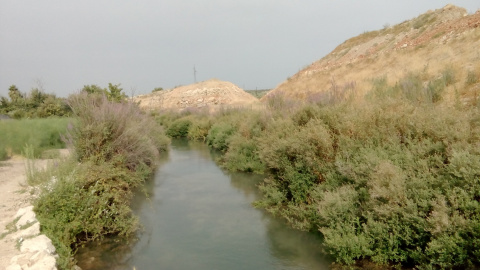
{"points": [[200, 217]]}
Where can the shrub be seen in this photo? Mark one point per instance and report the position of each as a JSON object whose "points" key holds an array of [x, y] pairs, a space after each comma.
{"points": [[179, 128], [108, 131], [198, 129], [219, 135], [117, 147], [472, 78]]}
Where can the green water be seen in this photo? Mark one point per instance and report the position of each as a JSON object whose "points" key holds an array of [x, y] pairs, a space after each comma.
{"points": [[200, 217]]}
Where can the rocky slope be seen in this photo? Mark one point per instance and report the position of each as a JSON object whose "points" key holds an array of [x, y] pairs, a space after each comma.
{"points": [[212, 95], [445, 38]]}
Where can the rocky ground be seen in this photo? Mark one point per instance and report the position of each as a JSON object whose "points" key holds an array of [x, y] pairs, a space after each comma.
{"points": [[210, 95], [22, 246]]}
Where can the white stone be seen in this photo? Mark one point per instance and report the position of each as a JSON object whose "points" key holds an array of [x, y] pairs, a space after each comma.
{"points": [[14, 267], [27, 217], [39, 243], [33, 230], [22, 211]]}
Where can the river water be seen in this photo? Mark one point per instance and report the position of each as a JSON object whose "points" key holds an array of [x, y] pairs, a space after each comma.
{"points": [[199, 217]]}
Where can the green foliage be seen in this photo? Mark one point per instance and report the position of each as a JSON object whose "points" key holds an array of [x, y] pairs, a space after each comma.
{"points": [[117, 147], [94, 89], [472, 78], [198, 129], [179, 128], [40, 134], [219, 136], [3, 151], [35, 105], [394, 180], [113, 92], [412, 88], [157, 89]]}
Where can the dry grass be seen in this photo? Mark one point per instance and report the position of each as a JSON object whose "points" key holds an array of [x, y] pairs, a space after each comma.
{"points": [[380, 53]]}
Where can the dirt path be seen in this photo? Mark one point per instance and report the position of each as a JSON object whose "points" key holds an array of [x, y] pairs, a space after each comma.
{"points": [[14, 195]]}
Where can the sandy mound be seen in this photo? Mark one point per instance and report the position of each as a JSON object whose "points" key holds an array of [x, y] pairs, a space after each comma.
{"points": [[426, 45], [212, 94]]}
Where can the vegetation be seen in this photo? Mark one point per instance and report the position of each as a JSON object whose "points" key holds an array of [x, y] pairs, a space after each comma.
{"points": [[157, 89], [87, 197], [39, 134], [36, 104], [258, 93], [394, 179], [113, 92]]}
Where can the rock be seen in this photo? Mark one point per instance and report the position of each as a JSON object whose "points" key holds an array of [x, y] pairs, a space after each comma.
{"points": [[39, 243], [14, 267], [26, 215], [40, 260], [33, 230]]}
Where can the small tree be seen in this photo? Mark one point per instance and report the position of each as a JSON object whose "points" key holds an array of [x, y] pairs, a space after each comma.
{"points": [[93, 89], [157, 89], [114, 93], [14, 94]]}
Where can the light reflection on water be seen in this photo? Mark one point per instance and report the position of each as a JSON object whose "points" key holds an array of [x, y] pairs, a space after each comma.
{"points": [[199, 217]]}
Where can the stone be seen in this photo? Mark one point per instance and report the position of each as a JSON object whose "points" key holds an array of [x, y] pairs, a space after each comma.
{"points": [[26, 217], [33, 230], [39, 243]]}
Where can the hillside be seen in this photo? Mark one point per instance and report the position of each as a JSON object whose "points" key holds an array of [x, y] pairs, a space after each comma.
{"points": [[428, 45], [212, 94]]}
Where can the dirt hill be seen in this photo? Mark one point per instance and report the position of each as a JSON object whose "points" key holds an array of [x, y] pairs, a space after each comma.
{"points": [[212, 94], [439, 40]]}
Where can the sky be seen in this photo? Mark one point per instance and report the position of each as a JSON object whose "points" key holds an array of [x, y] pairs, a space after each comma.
{"points": [[59, 46]]}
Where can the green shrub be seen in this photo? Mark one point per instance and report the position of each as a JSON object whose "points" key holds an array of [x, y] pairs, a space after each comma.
{"points": [[242, 155], [179, 128], [472, 78], [117, 147], [219, 135], [3, 151], [198, 129]]}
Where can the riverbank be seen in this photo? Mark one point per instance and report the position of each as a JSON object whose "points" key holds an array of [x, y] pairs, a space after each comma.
{"points": [[21, 244]]}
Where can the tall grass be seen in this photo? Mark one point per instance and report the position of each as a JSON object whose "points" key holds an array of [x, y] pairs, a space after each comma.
{"points": [[40, 134]]}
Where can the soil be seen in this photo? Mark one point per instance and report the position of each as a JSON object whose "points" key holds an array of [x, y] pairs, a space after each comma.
{"points": [[15, 194], [208, 95]]}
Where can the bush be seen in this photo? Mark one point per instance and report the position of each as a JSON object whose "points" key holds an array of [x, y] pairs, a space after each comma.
{"points": [[117, 147], [179, 128], [108, 131], [219, 135]]}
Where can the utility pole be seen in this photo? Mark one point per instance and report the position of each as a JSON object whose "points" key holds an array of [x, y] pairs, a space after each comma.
{"points": [[194, 74]]}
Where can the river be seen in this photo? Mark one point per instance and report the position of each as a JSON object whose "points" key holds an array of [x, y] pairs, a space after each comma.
{"points": [[199, 217]]}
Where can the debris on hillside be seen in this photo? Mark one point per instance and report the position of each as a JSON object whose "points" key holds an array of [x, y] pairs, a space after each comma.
{"points": [[211, 95]]}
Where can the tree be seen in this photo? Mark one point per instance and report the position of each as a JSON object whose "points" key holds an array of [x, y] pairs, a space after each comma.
{"points": [[93, 89], [157, 89], [14, 94], [114, 93]]}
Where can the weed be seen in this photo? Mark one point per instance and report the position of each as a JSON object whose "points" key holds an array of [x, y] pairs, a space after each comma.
{"points": [[11, 227], [472, 78]]}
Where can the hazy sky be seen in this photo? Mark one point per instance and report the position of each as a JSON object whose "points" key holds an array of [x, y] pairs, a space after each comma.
{"points": [[63, 45]]}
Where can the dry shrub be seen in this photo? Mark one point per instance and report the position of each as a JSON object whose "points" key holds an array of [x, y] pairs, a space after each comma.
{"points": [[108, 131]]}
